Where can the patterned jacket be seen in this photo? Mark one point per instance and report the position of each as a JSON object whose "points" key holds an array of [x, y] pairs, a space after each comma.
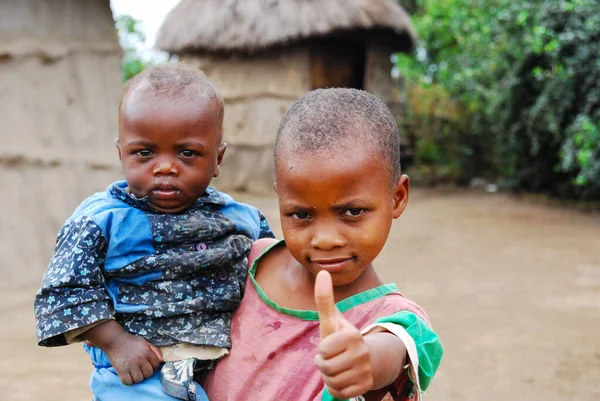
{"points": [[170, 278]]}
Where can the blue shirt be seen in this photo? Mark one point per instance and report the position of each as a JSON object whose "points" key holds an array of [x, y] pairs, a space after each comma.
{"points": [[170, 278]]}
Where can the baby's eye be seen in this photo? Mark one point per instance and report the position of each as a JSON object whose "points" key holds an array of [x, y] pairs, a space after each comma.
{"points": [[354, 212], [188, 153], [300, 215], [143, 153]]}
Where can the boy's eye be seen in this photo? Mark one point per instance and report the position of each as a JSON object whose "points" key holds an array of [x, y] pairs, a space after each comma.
{"points": [[300, 215], [354, 212], [188, 153], [143, 153]]}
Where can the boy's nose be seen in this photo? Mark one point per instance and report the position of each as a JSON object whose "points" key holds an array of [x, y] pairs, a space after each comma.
{"points": [[165, 166], [327, 239]]}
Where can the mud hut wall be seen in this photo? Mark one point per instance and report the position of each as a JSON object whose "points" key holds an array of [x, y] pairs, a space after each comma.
{"points": [[378, 77], [257, 91], [379, 81], [59, 91]]}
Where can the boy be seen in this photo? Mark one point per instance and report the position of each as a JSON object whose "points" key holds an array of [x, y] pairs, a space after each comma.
{"points": [[151, 270], [337, 176]]}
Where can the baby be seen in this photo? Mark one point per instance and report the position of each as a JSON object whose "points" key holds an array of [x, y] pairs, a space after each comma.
{"points": [[152, 269]]}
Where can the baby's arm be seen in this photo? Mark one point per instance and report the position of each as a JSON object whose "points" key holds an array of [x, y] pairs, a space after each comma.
{"points": [[74, 304], [73, 294], [134, 358]]}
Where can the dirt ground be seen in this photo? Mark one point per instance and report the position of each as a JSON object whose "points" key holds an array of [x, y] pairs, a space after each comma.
{"points": [[512, 288]]}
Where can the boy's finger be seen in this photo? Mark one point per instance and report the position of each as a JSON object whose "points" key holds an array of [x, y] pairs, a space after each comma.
{"points": [[328, 313], [335, 344], [332, 367], [341, 380]]}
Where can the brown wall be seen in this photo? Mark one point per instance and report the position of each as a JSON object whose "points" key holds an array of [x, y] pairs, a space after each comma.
{"points": [[259, 89], [59, 90], [257, 92]]}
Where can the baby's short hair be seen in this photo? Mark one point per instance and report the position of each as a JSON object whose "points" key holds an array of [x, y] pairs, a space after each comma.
{"points": [[325, 119], [177, 80]]}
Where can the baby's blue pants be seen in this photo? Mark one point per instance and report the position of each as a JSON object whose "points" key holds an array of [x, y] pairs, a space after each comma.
{"points": [[106, 385]]}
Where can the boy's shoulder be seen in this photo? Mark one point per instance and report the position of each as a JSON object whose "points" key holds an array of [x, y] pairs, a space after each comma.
{"points": [[392, 304], [248, 219]]}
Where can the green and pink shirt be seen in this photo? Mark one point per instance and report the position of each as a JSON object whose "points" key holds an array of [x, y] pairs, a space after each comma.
{"points": [[273, 347]]}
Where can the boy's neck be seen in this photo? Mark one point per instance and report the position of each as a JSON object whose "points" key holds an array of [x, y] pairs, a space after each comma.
{"points": [[366, 281], [287, 283]]}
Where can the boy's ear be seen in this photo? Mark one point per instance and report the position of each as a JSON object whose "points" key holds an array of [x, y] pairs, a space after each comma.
{"points": [[220, 154], [118, 145], [275, 187], [400, 195]]}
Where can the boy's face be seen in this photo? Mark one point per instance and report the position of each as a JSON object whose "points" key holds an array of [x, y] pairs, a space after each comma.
{"points": [[170, 149], [337, 209]]}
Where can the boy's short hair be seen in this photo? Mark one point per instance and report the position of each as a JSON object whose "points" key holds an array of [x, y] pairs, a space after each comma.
{"points": [[325, 119], [174, 80]]}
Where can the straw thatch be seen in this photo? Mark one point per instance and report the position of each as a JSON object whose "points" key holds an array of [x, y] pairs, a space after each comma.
{"points": [[251, 25]]}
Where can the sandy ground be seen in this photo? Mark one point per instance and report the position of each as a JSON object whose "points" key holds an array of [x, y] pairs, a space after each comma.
{"points": [[512, 288]]}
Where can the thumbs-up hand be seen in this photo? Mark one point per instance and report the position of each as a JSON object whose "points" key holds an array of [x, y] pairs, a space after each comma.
{"points": [[343, 356]]}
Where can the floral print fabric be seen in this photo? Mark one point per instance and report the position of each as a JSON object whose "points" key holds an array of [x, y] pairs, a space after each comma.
{"points": [[170, 278]]}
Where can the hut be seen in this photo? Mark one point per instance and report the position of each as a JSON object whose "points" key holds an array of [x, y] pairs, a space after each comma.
{"points": [[59, 93], [264, 54]]}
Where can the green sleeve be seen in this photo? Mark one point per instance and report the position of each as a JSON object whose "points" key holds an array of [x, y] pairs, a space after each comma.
{"points": [[429, 347], [328, 397]]}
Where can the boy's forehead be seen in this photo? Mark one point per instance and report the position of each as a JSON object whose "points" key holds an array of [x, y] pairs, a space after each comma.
{"points": [[311, 163]]}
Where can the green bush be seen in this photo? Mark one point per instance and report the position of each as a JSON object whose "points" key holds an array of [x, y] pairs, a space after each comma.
{"points": [[136, 55], [528, 73], [549, 115], [131, 37]]}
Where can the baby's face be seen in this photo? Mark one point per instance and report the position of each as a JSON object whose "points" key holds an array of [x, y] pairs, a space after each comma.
{"points": [[170, 149], [336, 210]]}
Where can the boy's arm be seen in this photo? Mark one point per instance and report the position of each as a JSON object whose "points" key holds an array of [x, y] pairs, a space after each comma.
{"points": [[352, 364], [387, 356], [72, 293], [423, 345]]}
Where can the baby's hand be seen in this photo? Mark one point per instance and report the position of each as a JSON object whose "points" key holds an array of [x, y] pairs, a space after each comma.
{"points": [[134, 358], [343, 357]]}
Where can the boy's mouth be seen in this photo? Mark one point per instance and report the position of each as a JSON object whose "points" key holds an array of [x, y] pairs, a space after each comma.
{"points": [[334, 264]]}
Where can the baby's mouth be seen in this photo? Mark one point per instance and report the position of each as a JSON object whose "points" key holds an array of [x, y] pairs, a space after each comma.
{"points": [[165, 191]]}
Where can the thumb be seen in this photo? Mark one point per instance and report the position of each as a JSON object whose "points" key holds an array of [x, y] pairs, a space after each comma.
{"points": [[328, 313], [156, 351]]}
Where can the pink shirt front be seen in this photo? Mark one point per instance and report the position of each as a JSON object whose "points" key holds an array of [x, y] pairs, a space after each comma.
{"points": [[274, 347]]}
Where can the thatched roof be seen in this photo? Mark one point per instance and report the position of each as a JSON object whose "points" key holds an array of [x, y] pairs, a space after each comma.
{"points": [[251, 25]]}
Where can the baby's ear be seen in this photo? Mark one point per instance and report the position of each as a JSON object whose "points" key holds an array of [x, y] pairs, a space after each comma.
{"points": [[118, 145], [400, 195], [220, 154]]}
